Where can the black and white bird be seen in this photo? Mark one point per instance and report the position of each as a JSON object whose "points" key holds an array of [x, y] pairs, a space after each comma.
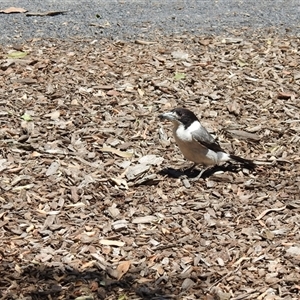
{"points": [[196, 143]]}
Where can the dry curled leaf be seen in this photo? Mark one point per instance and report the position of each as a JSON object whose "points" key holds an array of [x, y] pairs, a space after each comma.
{"points": [[122, 268], [285, 96], [11, 10], [45, 13]]}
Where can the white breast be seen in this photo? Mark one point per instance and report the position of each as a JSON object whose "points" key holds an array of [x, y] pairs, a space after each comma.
{"points": [[186, 134], [194, 151]]}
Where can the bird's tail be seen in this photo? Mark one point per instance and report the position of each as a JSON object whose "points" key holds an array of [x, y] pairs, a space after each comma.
{"points": [[246, 162]]}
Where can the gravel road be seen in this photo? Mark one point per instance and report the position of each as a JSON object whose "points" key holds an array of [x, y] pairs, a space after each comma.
{"points": [[129, 19]]}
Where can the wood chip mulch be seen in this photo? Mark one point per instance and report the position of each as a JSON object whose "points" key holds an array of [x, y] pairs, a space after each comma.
{"points": [[89, 206]]}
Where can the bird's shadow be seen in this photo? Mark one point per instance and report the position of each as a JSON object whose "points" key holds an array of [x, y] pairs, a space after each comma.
{"points": [[177, 173], [40, 282]]}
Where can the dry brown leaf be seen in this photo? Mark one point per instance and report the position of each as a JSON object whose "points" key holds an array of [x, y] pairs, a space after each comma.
{"points": [[46, 13], [11, 10], [122, 268], [113, 93], [94, 286], [285, 96]]}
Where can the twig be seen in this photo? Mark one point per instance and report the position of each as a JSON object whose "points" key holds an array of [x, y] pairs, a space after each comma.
{"points": [[269, 210], [226, 275]]}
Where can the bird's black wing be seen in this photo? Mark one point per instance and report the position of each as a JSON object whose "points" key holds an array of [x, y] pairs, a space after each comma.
{"points": [[204, 138]]}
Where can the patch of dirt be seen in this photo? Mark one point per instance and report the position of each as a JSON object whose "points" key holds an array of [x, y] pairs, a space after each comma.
{"points": [[87, 211]]}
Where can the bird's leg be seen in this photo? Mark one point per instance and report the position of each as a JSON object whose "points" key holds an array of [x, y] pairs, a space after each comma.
{"points": [[185, 176], [188, 170], [199, 175]]}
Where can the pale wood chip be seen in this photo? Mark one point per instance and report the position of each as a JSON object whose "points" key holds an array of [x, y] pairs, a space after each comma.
{"points": [[144, 220], [111, 243]]}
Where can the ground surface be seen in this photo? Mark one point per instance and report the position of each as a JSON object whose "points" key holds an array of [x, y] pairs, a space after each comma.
{"points": [[124, 19], [88, 209], [91, 207]]}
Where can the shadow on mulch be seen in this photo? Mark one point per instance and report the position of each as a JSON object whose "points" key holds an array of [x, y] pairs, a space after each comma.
{"points": [[42, 282], [191, 174]]}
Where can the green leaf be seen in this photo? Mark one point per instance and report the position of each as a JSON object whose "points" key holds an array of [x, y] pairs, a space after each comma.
{"points": [[26, 117], [17, 54], [241, 63], [179, 76], [122, 297]]}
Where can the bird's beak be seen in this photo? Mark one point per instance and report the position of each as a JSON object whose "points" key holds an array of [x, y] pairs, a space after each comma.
{"points": [[168, 116]]}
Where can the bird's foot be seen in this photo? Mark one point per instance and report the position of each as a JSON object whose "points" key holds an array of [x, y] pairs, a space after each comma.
{"points": [[191, 172], [198, 176], [190, 169]]}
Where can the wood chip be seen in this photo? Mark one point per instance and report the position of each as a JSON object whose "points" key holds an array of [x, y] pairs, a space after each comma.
{"points": [[117, 152], [92, 184], [112, 243], [144, 220]]}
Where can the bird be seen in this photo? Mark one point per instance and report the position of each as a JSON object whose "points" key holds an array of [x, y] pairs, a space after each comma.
{"points": [[196, 143]]}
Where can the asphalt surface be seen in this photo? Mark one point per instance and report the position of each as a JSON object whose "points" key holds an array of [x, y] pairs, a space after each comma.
{"points": [[131, 19]]}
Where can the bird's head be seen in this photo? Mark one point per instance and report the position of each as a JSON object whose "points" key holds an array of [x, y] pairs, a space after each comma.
{"points": [[179, 116]]}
